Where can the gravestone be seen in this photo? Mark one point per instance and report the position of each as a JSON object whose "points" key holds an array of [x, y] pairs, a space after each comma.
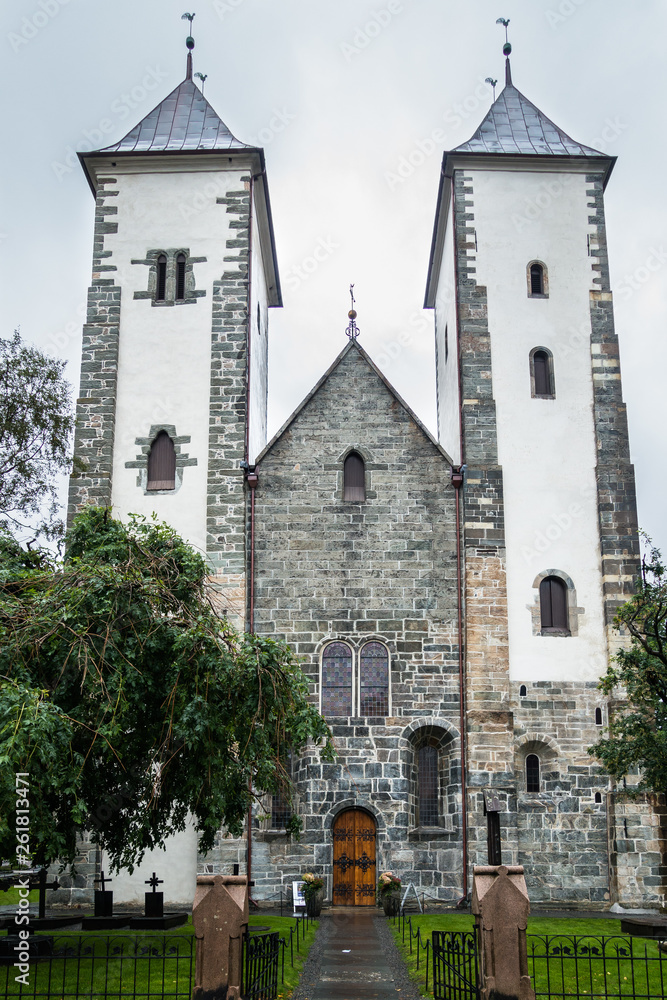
{"points": [[220, 918], [103, 898], [154, 900], [501, 906]]}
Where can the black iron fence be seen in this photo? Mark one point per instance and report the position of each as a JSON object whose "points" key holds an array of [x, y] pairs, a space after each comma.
{"points": [[455, 965], [417, 943], [607, 968], [87, 965], [261, 953]]}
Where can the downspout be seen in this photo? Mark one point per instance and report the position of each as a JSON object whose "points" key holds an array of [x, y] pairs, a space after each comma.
{"points": [[249, 325], [457, 483]]}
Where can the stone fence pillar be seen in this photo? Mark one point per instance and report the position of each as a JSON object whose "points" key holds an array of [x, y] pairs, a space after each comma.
{"points": [[220, 918], [501, 907]]}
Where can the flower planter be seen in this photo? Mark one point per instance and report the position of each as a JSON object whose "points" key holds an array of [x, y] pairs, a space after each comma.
{"points": [[314, 903], [391, 903]]}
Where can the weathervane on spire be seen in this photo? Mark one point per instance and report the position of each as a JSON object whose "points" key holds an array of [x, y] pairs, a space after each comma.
{"points": [[507, 48], [493, 83], [190, 42], [203, 77], [352, 330]]}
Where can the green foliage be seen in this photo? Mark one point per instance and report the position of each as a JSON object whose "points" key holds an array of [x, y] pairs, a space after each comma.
{"points": [[637, 735], [36, 425], [129, 699]]}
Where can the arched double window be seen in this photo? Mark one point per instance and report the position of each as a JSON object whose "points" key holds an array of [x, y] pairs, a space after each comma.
{"points": [[553, 606], [355, 685], [542, 373], [354, 478], [162, 464], [532, 773]]}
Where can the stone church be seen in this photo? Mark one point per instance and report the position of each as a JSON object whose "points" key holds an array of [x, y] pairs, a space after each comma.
{"points": [[451, 600]]}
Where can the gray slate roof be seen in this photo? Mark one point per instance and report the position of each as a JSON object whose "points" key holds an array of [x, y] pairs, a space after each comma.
{"points": [[514, 125], [182, 121]]}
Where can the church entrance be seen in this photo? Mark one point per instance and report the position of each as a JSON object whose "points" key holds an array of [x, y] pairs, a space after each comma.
{"points": [[354, 865]]}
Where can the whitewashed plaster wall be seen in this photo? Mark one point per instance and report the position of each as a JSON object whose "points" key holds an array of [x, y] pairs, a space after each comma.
{"points": [[546, 447], [164, 367], [447, 373], [176, 864]]}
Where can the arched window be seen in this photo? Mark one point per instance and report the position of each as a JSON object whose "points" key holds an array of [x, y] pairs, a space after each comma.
{"points": [[161, 287], [162, 464], [337, 679], [522, 691], [553, 605], [598, 716], [536, 279], [374, 679], [598, 797], [541, 373], [532, 773], [180, 276], [354, 478], [428, 790]]}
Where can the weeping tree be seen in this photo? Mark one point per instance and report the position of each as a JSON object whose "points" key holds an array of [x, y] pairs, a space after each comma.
{"points": [[637, 733], [130, 700]]}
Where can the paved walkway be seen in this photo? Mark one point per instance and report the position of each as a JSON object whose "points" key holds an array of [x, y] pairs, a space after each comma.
{"points": [[356, 959]]}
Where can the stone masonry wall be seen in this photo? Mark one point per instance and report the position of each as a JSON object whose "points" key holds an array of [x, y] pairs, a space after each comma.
{"points": [[96, 404], [226, 548], [382, 569]]}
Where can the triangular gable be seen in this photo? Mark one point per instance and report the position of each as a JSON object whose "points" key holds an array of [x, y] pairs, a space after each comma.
{"points": [[352, 346]]}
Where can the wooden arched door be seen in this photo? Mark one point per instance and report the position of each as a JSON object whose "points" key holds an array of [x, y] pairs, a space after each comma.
{"points": [[354, 864]]}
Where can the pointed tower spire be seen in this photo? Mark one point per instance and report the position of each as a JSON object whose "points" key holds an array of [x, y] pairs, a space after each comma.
{"points": [[507, 48], [190, 42]]}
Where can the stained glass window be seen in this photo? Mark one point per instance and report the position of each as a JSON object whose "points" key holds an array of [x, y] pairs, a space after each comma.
{"points": [[337, 679], [427, 782], [374, 680]]}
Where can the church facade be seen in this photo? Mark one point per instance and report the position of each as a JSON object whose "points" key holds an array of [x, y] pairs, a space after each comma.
{"points": [[451, 600]]}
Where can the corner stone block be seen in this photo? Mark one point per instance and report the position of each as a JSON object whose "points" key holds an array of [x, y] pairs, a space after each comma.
{"points": [[220, 918], [501, 906]]}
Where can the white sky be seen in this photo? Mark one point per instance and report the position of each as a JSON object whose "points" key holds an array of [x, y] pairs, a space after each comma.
{"points": [[340, 95]]}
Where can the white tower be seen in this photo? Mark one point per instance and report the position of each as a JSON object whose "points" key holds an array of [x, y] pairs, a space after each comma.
{"points": [[529, 400], [172, 405]]}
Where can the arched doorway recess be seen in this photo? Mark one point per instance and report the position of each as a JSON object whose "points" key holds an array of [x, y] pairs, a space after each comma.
{"points": [[354, 859]]}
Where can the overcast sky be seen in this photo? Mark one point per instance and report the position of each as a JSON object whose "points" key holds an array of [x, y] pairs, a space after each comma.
{"points": [[344, 97]]}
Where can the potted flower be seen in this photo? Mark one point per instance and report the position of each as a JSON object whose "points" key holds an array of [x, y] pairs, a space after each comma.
{"points": [[389, 887], [312, 887]]}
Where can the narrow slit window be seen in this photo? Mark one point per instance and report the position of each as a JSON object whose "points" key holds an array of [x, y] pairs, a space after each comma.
{"points": [[598, 716], [337, 680], [553, 605], [354, 478], [522, 691], [374, 680], [532, 773], [427, 785], [180, 276], [162, 463], [542, 373], [536, 279], [161, 288], [598, 798]]}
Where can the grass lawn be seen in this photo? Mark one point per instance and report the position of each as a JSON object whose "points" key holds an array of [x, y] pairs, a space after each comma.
{"points": [[139, 963], [604, 969], [11, 896]]}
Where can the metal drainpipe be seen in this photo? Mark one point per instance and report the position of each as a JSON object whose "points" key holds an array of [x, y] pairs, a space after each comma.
{"points": [[249, 324], [457, 482], [252, 479]]}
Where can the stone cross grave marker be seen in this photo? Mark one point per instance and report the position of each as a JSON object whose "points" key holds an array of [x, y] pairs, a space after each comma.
{"points": [[492, 808], [103, 898], [154, 900]]}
